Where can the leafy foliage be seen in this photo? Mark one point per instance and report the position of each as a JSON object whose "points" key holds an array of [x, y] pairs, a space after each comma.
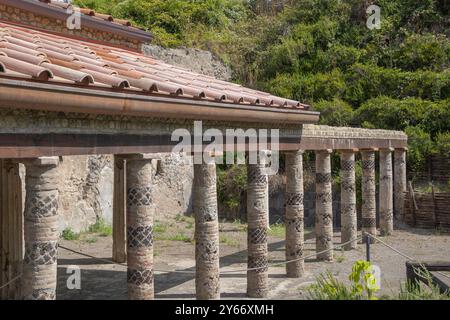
{"points": [[363, 285]]}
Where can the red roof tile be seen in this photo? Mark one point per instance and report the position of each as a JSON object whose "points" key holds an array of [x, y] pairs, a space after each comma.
{"points": [[42, 56]]}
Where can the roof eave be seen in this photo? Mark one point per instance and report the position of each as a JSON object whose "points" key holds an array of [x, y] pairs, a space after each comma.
{"points": [[51, 97], [88, 21]]}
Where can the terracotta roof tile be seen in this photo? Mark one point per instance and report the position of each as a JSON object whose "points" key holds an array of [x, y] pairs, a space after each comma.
{"points": [[40, 56], [88, 12]]}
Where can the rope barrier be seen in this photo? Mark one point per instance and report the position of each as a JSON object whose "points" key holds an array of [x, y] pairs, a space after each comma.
{"points": [[268, 265], [273, 264], [244, 269]]}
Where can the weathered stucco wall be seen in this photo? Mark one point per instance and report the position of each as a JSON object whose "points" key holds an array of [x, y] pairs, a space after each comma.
{"points": [[86, 189]]}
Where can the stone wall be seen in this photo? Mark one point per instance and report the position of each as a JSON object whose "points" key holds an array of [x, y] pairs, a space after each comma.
{"points": [[86, 189], [200, 61]]}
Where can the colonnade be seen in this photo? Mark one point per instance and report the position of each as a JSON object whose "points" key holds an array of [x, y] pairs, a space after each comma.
{"points": [[41, 228]]}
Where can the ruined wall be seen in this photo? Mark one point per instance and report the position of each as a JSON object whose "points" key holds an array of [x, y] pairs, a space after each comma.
{"points": [[86, 189]]}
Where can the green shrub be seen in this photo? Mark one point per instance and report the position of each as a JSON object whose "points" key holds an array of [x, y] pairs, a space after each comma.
{"points": [[334, 113], [442, 144], [420, 148], [363, 285], [101, 227], [69, 234], [231, 184]]}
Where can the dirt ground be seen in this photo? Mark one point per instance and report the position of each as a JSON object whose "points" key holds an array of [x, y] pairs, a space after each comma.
{"points": [[174, 250]]}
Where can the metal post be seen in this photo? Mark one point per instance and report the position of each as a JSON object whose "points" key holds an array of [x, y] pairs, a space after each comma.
{"points": [[368, 241]]}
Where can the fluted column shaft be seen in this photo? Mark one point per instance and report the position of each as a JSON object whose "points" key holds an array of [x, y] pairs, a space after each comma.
{"points": [[324, 210], [140, 212], [349, 223], [368, 212], [41, 230], [386, 193], [207, 278], [257, 215], [399, 183], [294, 220]]}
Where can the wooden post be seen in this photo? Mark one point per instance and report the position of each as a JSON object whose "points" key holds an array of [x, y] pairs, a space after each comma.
{"points": [[11, 229], [119, 231], [412, 203], [435, 217]]}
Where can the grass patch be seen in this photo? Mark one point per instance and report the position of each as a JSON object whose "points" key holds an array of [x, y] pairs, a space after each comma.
{"points": [[277, 230], [159, 228], [91, 239], [240, 225], [69, 234], [225, 239], [183, 218], [180, 237], [175, 237], [101, 227]]}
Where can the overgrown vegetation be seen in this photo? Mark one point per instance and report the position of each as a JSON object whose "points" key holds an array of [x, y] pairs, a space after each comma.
{"points": [[363, 287], [98, 229]]}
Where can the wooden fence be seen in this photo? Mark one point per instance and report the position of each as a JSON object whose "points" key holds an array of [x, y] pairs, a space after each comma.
{"points": [[427, 210]]}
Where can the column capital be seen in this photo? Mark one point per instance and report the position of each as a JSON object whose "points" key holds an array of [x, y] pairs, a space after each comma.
{"points": [[401, 149], [387, 149]]}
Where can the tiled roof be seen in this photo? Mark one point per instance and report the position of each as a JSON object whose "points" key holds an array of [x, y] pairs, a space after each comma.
{"points": [[88, 12], [46, 57]]}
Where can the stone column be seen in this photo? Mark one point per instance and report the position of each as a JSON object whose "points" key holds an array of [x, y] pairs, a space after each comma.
{"points": [[41, 229], [140, 212], [386, 193], [399, 182], [257, 280], [324, 210], [368, 212], [207, 268], [294, 213], [349, 221]]}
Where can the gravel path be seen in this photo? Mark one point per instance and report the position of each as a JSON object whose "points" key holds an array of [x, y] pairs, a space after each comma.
{"points": [[108, 281]]}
